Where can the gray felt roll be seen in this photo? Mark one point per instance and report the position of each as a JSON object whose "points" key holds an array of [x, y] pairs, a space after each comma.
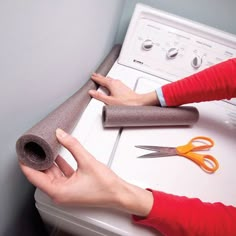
{"points": [[38, 147], [144, 116]]}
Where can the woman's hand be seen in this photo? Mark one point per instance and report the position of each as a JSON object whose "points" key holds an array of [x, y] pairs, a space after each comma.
{"points": [[120, 94], [91, 184]]}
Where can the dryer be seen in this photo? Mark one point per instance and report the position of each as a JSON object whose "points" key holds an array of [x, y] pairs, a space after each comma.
{"points": [[159, 47]]}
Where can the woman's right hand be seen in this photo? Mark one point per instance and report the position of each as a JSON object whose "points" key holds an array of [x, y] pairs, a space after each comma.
{"points": [[91, 184], [120, 94]]}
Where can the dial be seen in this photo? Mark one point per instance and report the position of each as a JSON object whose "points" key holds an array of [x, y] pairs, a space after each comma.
{"points": [[196, 62], [147, 45], [172, 53]]}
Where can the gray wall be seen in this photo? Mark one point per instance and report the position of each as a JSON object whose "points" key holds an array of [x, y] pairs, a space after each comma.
{"points": [[48, 49], [216, 13]]}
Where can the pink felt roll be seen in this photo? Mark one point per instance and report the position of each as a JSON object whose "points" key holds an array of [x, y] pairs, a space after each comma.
{"points": [[38, 147], [147, 116]]}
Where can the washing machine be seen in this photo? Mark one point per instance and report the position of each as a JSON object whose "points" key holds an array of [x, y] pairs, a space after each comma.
{"points": [[159, 48]]}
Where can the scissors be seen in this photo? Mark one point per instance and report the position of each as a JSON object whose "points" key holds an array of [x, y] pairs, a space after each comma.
{"points": [[207, 162]]}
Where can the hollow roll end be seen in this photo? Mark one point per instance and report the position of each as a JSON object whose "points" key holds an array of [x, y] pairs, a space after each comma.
{"points": [[193, 114], [104, 115], [34, 152]]}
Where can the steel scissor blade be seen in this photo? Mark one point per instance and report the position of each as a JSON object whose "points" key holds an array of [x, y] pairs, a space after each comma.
{"points": [[154, 155], [159, 151]]}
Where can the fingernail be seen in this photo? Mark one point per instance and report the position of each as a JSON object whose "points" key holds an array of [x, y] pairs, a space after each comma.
{"points": [[60, 133], [92, 92]]}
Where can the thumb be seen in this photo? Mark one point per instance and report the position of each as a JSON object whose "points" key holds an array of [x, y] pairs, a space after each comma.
{"points": [[73, 145]]}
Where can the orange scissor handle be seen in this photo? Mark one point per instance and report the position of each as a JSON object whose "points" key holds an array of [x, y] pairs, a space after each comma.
{"points": [[204, 143], [206, 162]]}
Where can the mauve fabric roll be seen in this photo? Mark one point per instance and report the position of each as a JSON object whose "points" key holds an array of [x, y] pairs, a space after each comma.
{"points": [[38, 147], [147, 116]]}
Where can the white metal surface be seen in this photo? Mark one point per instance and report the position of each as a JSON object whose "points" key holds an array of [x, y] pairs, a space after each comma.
{"points": [[178, 175], [158, 48]]}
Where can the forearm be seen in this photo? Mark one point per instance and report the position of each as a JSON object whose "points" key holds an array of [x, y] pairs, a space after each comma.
{"points": [[148, 99], [132, 199], [180, 216]]}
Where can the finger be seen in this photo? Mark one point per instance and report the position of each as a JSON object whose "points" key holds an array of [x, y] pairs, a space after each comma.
{"points": [[104, 81], [38, 179], [64, 166], [101, 97], [72, 144], [53, 172]]}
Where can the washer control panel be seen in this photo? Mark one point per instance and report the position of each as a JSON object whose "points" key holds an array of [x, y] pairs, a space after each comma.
{"points": [[172, 47]]}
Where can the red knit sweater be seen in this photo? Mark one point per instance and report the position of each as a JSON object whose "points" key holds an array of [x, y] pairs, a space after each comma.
{"points": [[215, 83], [181, 216]]}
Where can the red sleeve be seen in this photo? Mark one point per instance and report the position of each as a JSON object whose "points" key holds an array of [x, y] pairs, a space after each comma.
{"points": [[214, 83], [181, 216]]}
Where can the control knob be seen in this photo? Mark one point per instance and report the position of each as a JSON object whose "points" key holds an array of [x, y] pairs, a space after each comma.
{"points": [[196, 62], [147, 44], [172, 53]]}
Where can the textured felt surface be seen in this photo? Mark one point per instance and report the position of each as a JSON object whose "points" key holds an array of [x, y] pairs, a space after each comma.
{"points": [[38, 147], [143, 116]]}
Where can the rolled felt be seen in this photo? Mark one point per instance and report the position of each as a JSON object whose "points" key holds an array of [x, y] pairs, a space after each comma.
{"points": [[38, 147], [143, 116]]}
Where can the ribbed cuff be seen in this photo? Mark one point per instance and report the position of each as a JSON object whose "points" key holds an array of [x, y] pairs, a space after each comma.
{"points": [[161, 97]]}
